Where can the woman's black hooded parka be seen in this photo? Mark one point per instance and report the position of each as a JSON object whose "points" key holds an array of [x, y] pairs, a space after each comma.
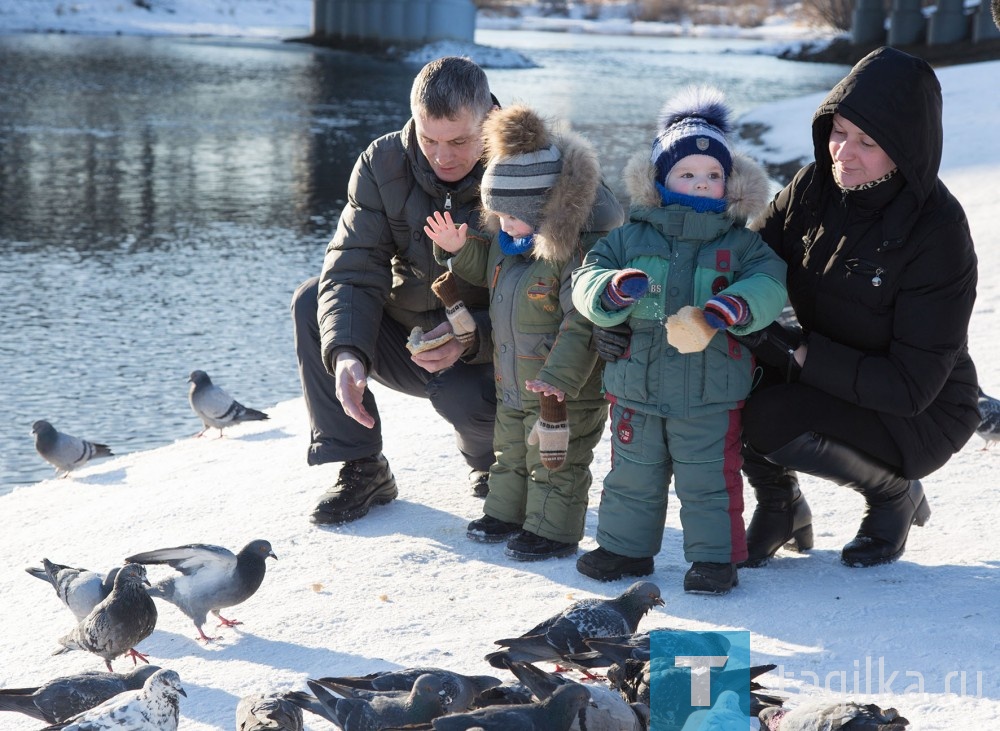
{"points": [[883, 280]]}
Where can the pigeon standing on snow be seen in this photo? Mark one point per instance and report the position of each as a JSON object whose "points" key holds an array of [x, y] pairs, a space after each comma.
{"points": [[212, 578], [268, 712], [460, 691], [63, 451], [556, 713], [563, 634], [422, 704], [822, 715], [605, 711], [215, 407], [989, 413], [119, 623], [66, 696], [80, 590], [724, 715], [154, 707]]}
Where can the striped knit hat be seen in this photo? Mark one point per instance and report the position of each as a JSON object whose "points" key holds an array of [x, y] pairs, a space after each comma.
{"points": [[518, 184], [695, 122]]}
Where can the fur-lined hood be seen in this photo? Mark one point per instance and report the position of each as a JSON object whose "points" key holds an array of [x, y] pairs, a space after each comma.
{"points": [[572, 204], [748, 190]]}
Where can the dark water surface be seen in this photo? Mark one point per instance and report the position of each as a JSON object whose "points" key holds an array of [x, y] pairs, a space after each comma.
{"points": [[161, 198]]}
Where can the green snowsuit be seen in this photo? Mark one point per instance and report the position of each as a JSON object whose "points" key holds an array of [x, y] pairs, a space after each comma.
{"points": [[538, 334], [678, 414]]}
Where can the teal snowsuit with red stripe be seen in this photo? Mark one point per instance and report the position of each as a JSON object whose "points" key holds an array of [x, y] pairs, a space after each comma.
{"points": [[678, 415]]}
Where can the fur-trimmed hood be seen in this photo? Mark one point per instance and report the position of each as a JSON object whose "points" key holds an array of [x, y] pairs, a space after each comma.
{"points": [[748, 190], [573, 204]]}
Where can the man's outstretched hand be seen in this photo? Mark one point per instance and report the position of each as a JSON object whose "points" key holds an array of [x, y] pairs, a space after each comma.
{"points": [[352, 381]]}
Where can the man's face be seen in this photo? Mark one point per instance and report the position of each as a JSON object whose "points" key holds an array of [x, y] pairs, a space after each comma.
{"points": [[452, 146]]}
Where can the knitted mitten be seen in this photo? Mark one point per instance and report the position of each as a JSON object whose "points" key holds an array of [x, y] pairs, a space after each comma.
{"points": [[726, 310], [551, 432], [624, 289], [461, 321]]}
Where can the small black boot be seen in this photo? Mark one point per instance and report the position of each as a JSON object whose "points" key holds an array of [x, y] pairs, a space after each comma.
{"points": [[894, 503], [782, 516]]}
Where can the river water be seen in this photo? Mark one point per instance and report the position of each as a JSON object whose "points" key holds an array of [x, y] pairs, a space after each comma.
{"points": [[160, 199]]}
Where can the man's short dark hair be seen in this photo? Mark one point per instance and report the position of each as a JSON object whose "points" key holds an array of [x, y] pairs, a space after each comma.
{"points": [[447, 86]]}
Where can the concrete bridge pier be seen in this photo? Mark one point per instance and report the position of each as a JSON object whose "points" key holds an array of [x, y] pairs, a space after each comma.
{"points": [[384, 23]]}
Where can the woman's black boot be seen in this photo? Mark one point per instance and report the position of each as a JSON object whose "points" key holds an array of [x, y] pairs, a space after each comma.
{"points": [[894, 503], [782, 515]]}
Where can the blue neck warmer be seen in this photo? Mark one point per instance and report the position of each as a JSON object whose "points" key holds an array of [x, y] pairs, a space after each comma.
{"points": [[511, 246], [698, 203]]}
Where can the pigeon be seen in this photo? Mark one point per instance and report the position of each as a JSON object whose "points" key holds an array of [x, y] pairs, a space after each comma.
{"points": [[79, 589], [605, 711], [63, 451], [215, 407], [989, 413], [724, 715], [460, 691], [268, 712], [556, 713], [605, 651], [212, 578], [562, 634], [422, 704], [66, 696], [842, 716], [154, 707], [118, 623]]}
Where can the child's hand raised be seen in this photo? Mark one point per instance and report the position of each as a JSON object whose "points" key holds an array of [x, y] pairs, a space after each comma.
{"points": [[537, 385], [442, 231]]}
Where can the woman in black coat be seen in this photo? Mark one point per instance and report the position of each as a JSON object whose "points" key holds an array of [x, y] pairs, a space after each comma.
{"points": [[880, 389]]}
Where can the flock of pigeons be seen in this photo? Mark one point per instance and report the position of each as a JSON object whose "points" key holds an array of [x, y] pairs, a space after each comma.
{"points": [[213, 405], [218, 409], [116, 611]]}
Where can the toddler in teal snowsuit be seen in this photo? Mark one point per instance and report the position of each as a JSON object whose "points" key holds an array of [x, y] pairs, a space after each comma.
{"points": [[680, 273]]}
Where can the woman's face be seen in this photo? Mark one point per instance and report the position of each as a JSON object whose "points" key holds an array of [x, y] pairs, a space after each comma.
{"points": [[857, 159]]}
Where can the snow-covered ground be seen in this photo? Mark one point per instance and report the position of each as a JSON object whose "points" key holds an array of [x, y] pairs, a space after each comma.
{"points": [[404, 587]]}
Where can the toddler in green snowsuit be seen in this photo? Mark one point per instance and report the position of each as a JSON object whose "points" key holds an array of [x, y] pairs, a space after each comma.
{"points": [[685, 260], [544, 205]]}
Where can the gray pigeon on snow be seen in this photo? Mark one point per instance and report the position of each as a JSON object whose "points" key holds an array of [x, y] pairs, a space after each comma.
{"points": [[268, 712], [63, 451], [212, 578], [826, 715], [154, 707], [65, 696], [724, 715], [215, 407], [605, 711], [556, 713], [423, 703], [119, 622], [79, 589], [460, 691], [563, 634], [989, 413]]}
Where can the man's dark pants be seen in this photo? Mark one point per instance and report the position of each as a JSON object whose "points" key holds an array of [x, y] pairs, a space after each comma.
{"points": [[464, 395]]}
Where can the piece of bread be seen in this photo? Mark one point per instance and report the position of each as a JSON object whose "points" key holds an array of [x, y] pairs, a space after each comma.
{"points": [[687, 330], [416, 343]]}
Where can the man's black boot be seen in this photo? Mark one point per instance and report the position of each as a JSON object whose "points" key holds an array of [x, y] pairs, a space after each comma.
{"points": [[782, 515], [894, 503], [362, 483]]}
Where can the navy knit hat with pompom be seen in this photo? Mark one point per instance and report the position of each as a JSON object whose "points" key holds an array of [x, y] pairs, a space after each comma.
{"points": [[695, 122]]}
